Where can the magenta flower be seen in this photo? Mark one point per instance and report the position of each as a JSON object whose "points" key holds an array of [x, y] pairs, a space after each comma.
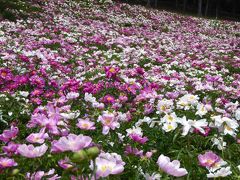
{"points": [[208, 159], [206, 131], [111, 72], [172, 168], [129, 150], [5, 74], [86, 124], [9, 134], [109, 121], [138, 138], [71, 143], [109, 99], [30, 151], [7, 162], [11, 148]]}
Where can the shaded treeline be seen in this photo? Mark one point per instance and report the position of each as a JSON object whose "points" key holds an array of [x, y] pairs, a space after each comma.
{"points": [[228, 9], [11, 9]]}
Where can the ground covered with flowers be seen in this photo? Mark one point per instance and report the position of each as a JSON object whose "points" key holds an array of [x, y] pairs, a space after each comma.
{"points": [[92, 90]]}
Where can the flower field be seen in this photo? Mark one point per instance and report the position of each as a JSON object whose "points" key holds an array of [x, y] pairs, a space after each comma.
{"points": [[92, 90]]}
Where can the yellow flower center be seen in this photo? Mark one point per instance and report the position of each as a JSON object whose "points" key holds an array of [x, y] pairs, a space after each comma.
{"points": [[227, 127], [112, 70], [109, 98], [163, 108], [170, 127], [85, 125], [170, 118]]}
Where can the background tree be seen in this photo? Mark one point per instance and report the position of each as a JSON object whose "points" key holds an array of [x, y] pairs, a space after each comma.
{"points": [[199, 7], [11, 9]]}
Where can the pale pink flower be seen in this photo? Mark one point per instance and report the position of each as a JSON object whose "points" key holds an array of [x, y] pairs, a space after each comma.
{"points": [[40, 174], [109, 163], [38, 137], [30, 151], [172, 168], [72, 143], [208, 159], [86, 124], [109, 121]]}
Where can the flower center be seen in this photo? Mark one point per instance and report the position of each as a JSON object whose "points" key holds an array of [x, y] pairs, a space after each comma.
{"points": [[112, 70], [4, 74]]}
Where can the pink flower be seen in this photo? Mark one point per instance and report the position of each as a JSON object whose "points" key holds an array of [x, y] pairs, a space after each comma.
{"points": [[109, 99], [40, 174], [206, 131], [30, 151], [208, 159], [5, 74], [172, 168], [133, 151], [123, 98], [65, 163], [109, 163], [38, 137], [11, 148], [7, 162], [148, 109], [86, 124], [7, 135], [109, 121], [71, 143], [111, 72], [138, 138]]}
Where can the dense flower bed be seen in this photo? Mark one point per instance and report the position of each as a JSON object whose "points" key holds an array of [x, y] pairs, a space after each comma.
{"points": [[91, 90]]}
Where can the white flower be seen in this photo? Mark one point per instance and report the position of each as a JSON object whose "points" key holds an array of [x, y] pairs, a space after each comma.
{"points": [[134, 130], [223, 172], [226, 125], [187, 101], [154, 176], [72, 95], [190, 124], [169, 126], [89, 98], [237, 114], [219, 143], [202, 110], [169, 122], [169, 118], [24, 93], [164, 106], [218, 165], [71, 115]]}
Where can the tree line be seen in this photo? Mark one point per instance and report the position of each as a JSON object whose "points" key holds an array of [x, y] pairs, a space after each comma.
{"points": [[215, 8]]}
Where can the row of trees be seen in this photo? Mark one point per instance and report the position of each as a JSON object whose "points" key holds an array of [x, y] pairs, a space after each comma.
{"points": [[11, 9], [222, 8]]}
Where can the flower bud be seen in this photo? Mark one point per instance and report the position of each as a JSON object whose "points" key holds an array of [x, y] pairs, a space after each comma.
{"points": [[92, 152], [15, 171], [79, 156]]}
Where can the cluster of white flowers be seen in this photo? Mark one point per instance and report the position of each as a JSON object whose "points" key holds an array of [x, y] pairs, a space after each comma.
{"points": [[89, 98]]}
